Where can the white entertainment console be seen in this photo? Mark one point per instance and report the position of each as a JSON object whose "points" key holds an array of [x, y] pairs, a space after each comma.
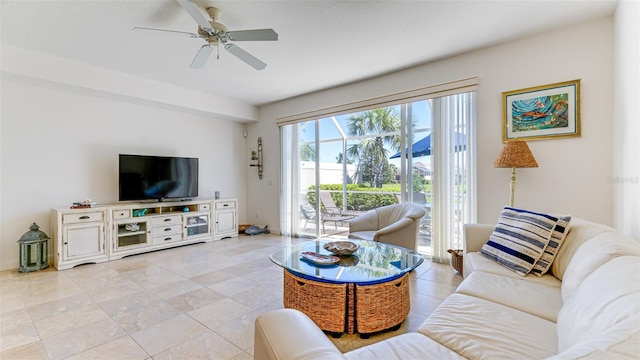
{"points": [[111, 232]]}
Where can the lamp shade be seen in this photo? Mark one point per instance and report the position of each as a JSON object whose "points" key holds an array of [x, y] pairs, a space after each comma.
{"points": [[515, 154]]}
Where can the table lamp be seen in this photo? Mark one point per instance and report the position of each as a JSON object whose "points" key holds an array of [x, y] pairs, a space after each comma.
{"points": [[515, 154]]}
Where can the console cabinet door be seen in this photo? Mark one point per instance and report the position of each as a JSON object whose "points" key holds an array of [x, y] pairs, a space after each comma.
{"points": [[131, 234], [197, 225], [83, 240], [226, 222]]}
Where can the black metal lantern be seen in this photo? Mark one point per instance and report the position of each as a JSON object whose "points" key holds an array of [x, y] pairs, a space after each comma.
{"points": [[34, 247]]}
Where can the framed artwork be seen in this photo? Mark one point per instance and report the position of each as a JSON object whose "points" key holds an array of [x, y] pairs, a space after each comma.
{"points": [[542, 112]]}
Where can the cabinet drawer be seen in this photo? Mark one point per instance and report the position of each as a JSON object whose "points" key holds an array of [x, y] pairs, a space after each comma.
{"points": [[82, 217], [120, 214], [166, 220], [166, 238], [225, 205], [167, 230], [204, 207]]}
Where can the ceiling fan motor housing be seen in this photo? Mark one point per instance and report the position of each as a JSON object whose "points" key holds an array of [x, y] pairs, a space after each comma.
{"points": [[213, 39]]}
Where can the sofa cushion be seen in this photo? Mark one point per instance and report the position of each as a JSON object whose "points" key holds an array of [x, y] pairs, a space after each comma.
{"points": [[581, 231], [519, 239], [534, 298], [593, 254], [555, 243], [475, 262], [621, 341], [405, 346], [480, 329], [608, 296]]}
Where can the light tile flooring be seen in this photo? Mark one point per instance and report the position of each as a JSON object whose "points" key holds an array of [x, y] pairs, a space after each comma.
{"points": [[193, 302]]}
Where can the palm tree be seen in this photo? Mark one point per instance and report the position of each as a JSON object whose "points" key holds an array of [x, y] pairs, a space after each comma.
{"points": [[340, 158], [371, 152], [307, 152]]}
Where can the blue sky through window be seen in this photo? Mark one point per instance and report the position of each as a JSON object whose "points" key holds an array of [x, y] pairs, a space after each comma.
{"points": [[331, 139]]}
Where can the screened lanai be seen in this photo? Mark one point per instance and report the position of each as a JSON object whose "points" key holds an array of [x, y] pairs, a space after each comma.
{"points": [[338, 166]]}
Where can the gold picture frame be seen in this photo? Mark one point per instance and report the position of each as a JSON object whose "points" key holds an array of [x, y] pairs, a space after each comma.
{"points": [[542, 112]]}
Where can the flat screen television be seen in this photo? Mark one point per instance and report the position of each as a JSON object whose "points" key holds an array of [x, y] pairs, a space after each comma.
{"points": [[143, 177]]}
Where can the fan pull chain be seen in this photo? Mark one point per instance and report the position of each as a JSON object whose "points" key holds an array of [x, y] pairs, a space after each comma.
{"points": [[218, 57]]}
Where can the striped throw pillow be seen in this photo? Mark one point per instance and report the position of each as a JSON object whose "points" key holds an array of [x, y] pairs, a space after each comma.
{"points": [[557, 238], [519, 239]]}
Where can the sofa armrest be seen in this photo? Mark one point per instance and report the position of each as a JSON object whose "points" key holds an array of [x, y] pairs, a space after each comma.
{"points": [[288, 334], [476, 235]]}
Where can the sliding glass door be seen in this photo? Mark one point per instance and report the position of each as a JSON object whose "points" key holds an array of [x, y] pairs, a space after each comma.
{"points": [[421, 152]]}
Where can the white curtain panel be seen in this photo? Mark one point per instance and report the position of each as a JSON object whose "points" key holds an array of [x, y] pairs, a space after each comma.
{"points": [[454, 172]]}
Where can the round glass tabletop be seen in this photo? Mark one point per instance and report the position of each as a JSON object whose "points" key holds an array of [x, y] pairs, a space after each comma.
{"points": [[373, 262]]}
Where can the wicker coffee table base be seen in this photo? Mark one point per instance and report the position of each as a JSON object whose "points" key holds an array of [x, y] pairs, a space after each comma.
{"points": [[349, 307]]}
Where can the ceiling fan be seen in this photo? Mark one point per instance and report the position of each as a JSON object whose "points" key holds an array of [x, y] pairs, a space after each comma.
{"points": [[216, 35]]}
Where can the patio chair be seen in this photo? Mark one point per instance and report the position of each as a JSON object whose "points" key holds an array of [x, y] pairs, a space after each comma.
{"points": [[309, 214], [420, 199], [330, 208]]}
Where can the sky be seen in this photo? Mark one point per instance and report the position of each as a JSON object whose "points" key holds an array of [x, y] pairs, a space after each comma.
{"points": [[420, 112]]}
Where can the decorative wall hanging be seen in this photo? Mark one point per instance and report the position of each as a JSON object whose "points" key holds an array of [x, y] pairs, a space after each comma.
{"points": [[256, 157], [542, 112]]}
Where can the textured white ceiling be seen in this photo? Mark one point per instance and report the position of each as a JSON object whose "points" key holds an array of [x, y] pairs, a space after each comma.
{"points": [[321, 43]]}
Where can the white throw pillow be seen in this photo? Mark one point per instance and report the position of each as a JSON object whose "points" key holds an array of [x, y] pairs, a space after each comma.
{"points": [[519, 239]]}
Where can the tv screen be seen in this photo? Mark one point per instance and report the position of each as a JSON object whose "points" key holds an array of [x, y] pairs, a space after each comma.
{"points": [[145, 177]]}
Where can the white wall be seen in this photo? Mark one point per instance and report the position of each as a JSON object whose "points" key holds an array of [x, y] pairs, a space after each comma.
{"points": [[574, 173], [27, 65], [626, 176], [59, 145]]}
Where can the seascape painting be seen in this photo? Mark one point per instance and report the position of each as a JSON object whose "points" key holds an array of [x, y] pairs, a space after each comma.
{"points": [[542, 112]]}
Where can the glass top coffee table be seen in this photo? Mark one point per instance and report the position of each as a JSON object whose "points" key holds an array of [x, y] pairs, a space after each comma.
{"points": [[365, 292]]}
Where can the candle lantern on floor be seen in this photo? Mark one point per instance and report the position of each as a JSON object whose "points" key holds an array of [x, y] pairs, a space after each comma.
{"points": [[34, 252]]}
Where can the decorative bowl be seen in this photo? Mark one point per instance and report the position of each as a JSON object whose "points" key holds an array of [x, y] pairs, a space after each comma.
{"points": [[341, 248]]}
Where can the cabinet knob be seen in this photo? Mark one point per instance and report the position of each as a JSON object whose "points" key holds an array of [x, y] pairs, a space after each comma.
{"points": [[84, 217], [165, 220], [167, 229]]}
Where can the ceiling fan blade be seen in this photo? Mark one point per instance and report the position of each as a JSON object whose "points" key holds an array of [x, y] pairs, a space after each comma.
{"points": [[197, 15], [253, 35], [172, 32], [245, 56], [201, 57]]}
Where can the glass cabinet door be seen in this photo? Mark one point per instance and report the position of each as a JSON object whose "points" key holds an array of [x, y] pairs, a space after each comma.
{"points": [[197, 224], [131, 234]]}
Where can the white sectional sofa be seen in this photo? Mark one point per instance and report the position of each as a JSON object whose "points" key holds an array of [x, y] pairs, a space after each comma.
{"points": [[586, 307]]}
